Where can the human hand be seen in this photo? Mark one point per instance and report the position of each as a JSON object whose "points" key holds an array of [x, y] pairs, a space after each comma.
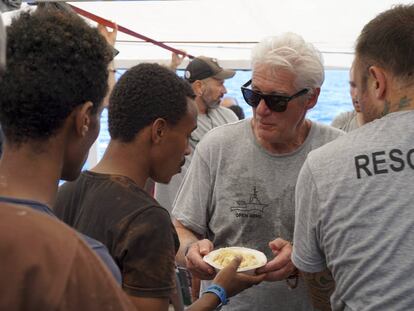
{"points": [[177, 59], [194, 259], [234, 282], [110, 36], [280, 267]]}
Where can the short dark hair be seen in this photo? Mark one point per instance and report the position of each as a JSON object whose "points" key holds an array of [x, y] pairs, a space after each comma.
{"points": [[388, 41], [144, 93], [55, 62]]}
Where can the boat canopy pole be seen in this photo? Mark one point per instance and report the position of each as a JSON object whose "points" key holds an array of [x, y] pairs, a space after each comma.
{"points": [[110, 24]]}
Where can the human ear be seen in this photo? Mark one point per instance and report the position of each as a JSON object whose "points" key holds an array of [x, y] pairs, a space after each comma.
{"points": [[379, 81], [83, 118], [313, 98], [198, 87], [158, 130]]}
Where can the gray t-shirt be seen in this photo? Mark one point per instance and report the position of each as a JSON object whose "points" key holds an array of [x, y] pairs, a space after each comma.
{"points": [[165, 194], [355, 215], [236, 193], [346, 121]]}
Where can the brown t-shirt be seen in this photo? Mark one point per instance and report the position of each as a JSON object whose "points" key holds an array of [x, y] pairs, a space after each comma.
{"points": [[44, 265], [136, 229]]}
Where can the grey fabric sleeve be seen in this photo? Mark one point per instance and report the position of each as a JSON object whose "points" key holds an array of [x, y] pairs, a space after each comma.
{"points": [[340, 120], [307, 256], [229, 115], [192, 202]]}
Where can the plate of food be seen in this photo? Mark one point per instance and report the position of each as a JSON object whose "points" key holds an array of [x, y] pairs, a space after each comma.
{"points": [[251, 258]]}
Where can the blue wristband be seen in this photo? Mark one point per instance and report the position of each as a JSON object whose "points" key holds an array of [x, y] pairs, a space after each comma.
{"points": [[219, 291]]}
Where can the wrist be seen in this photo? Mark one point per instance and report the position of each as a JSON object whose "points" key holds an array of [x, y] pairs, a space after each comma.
{"points": [[219, 292], [211, 299]]}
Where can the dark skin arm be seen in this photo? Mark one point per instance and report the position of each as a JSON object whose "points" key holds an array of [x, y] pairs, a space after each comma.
{"points": [[321, 286]]}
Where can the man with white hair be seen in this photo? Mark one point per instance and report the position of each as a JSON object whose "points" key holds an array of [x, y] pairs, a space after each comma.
{"points": [[239, 189]]}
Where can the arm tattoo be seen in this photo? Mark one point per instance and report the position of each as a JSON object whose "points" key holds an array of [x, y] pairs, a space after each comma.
{"points": [[321, 286]]}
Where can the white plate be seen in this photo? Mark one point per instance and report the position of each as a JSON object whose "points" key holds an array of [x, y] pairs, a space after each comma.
{"points": [[260, 257]]}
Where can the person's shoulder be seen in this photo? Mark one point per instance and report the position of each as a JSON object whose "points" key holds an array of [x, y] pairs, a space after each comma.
{"points": [[55, 259], [346, 114], [29, 220], [228, 114], [47, 239], [158, 215], [38, 248], [322, 134], [102, 185], [323, 137], [343, 118], [224, 134], [68, 187], [335, 142], [69, 195], [328, 130], [138, 205], [152, 221]]}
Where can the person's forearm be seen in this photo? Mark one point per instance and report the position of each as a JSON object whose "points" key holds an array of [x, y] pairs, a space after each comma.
{"points": [[207, 302], [321, 286], [187, 237]]}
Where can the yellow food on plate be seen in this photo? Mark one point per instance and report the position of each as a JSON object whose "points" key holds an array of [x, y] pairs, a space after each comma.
{"points": [[227, 255]]}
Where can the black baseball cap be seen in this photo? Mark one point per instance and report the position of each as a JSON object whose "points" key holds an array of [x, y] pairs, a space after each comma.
{"points": [[203, 67]]}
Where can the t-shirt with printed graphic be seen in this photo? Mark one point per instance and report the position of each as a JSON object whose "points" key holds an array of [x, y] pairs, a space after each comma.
{"points": [[136, 229], [236, 193], [355, 215]]}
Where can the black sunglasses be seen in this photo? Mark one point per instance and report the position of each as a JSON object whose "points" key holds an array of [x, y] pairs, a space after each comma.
{"points": [[276, 103]]}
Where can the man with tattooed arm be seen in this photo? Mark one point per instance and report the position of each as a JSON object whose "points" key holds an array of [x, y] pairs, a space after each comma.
{"points": [[354, 213]]}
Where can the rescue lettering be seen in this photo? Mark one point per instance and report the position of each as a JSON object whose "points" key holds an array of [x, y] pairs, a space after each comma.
{"points": [[382, 162]]}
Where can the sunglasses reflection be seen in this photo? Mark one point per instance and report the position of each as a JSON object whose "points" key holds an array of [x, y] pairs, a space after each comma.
{"points": [[274, 102]]}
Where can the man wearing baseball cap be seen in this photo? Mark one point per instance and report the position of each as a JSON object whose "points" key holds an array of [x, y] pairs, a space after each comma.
{"points": [[204, 67], [206, 77]]}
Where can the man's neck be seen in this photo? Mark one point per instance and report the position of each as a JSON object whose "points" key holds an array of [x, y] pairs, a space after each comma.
{"points": [[399, 99], [122, 159], [27, 174], [293, 144], [201, 106]]}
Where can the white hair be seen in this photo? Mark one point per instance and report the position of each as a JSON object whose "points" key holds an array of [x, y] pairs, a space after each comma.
{"points": [[289, 51]]}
